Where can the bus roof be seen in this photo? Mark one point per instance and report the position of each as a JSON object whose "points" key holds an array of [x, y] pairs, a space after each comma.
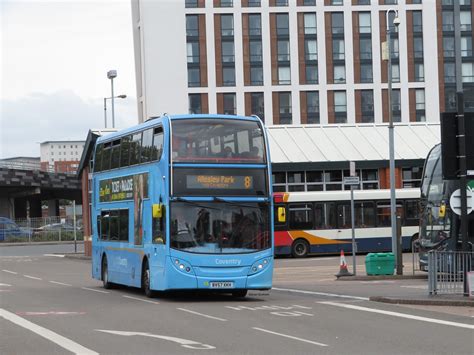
{"points": [[155, 120], [316, 196]]}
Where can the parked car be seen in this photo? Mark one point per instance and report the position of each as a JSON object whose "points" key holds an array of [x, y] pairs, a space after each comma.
{"points": [[10, 230]]}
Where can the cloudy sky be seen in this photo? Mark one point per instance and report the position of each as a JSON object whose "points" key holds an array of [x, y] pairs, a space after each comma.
{"points": [[54, 59]]}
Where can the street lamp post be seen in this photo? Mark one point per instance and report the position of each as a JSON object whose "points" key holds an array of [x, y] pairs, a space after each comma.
{"points": [[391, 138], [105, 108], [111, 74]]}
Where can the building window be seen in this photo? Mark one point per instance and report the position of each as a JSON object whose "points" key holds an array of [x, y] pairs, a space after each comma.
{"points": [[311, 74], [257, 105], [312, 106], [465, 21], [367, 106], [418, 47], [192, 26], [282, 24], [365, 47], [283, 48], [284, 75], [366, 73], [192, 49], [363, 2], [448, 21], [310, 24], [449, 73], [337, 22], [467, 71], [417, 22], [340, 106], [364, 22], [228, 76], [412, 176], [256, 75], [195, 103], [226, 3], [255, 25], [310, 49], [419, 72], [255, 51], [338, 52], [396, 106], [309, 2], [281, 2], [339, 74], [228, 52], [229, 104], [227, 25], [254, 3], [337, 2], [191, 3], [420, 105], [466, 46], [296, 181], [194, 77], [395, 73], [284, 99], [450, 99]]}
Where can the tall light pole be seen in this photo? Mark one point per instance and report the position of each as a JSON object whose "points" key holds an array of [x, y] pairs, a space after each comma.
{"points": [[391, 138], [105, 107], [111, 74]]}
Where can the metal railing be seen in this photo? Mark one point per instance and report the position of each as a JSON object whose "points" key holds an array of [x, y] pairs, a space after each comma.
{"points": [[446, 270]]}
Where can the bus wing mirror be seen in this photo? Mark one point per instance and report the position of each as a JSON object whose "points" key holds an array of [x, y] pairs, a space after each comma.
{"points": [[442, 211], [281, 215], [157, 210]]}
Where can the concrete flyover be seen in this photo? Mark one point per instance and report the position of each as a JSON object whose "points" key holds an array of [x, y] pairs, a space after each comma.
{"points": [[22, 189]]}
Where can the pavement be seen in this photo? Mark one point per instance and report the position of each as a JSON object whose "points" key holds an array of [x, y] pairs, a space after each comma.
{"points": [[405, 295]]}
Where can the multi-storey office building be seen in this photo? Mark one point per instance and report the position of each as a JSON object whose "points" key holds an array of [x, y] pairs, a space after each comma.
{"points": [[61, 156], [300, 61]]}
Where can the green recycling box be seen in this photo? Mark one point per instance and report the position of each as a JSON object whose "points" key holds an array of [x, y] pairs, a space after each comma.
{"points": [[380, 263]]}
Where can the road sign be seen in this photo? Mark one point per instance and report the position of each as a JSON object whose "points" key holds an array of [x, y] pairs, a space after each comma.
{"points": [[351, 180], [455, 201]]}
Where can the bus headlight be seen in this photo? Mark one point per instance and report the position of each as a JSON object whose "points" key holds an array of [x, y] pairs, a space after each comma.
{"points": [[182, 265], [258, 266]]}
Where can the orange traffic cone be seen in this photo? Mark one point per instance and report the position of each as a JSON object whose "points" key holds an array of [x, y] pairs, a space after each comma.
{"points": [[343, 267]]}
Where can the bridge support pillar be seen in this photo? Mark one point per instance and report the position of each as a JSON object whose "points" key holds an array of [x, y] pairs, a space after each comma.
{"points": [[5, 207], [35, 208], [53, 208], [20, 208]]}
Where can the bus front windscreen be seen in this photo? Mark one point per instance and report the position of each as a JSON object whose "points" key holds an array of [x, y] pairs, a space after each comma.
{"points": [[219, 227], [200, 140]]}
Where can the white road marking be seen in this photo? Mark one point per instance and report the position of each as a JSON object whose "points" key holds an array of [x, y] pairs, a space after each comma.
{"points": [[63, 342], [141, 299], [55, 255], [185, 343], [202, 315], [7, 285], [59, 283], [421, 287], [378, 282], [93, 289], [33, 277], [401, 315], [290, 337], [51, 313], [10, 272], [320, 293]]}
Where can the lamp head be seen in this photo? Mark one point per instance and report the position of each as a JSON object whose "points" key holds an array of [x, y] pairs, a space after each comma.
{"points": [[396, 21], [122, 96], [111, 74]]}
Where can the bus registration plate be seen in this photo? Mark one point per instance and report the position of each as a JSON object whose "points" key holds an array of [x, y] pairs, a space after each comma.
{"points": [[221, 284]]}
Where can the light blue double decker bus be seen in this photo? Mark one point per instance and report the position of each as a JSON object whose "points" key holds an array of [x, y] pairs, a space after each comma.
{"points": [[184, 203]]}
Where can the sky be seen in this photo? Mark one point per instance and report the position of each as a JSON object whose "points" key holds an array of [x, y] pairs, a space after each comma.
{"points": [[54, 58]]}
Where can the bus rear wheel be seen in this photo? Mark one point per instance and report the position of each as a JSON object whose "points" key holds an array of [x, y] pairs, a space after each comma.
{"points": [[105, 274], [300, 248], [146, 281]]}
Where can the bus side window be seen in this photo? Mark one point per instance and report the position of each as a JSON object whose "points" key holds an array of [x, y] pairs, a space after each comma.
{"points": [[147, 146], [158, 228], [301, 216], [157, 143], [104, 225], [123, 225], [98, 158], [364, 215], [412, 216], [344, 216], [125, 151]]}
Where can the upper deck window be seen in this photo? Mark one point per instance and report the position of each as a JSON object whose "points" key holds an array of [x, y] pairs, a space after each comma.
{"points": [[217, 141]]}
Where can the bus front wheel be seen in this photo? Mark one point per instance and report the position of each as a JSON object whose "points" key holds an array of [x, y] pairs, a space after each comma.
{"points": [[105, 274], [300, 248], [146, 281], [239, 293]]}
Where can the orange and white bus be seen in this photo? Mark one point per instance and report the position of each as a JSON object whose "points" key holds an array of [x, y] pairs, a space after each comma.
{"points": [[320, 222]]}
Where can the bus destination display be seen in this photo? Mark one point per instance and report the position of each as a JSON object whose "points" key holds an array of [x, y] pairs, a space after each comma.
{"points": [[226, 182]]}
